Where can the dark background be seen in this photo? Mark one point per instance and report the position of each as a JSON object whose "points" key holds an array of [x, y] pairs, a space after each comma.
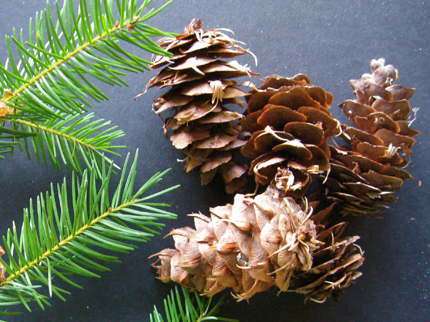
{"points": [[330, 41]]}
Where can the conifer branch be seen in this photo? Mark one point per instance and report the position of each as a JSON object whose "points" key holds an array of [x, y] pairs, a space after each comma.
{"points": [[60, 238], [36, 84], [190, 307], [54, 73], [70, 137]]}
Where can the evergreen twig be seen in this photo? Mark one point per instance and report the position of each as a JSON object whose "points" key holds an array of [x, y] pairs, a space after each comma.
{"points": [[60, 238], [50, 77], [189, 307]]}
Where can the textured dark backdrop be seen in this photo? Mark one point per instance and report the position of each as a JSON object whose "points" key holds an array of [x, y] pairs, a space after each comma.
{"points": [[331, 42]]}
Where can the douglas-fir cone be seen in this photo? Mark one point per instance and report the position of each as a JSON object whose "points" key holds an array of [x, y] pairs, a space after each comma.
{"points": [[370, 169], [193, 109], [260, 242]]}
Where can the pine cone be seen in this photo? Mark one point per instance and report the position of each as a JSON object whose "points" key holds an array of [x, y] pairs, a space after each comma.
{"points": [[290, 122], [194, 109], [257, 243], [367, 171]]}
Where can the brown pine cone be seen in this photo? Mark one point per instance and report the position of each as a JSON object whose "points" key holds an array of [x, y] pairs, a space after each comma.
{"points": [[369, 170], [257, 243], [193, 109], [290, 124]]}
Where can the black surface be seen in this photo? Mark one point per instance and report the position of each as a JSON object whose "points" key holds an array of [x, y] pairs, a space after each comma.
{"points": [[331, 42]]}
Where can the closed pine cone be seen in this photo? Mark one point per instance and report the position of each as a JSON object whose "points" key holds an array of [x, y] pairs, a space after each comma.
{"points": [[369, 170], [257, 243], [290, 124], [193, 109]]}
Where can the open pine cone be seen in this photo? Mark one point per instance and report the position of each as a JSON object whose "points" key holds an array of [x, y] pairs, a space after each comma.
{"points": [[290, 124], [261, 242], [369, 170], [193, 109]]}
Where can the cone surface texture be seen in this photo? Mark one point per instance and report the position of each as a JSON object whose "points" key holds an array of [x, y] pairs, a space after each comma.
{"points": [[369, 169], [290, 124], [257, 243], [193, 109]]}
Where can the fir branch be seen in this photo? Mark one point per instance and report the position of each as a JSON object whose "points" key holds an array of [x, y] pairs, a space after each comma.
{"points": [[60, 237], [68, 138], [52, 71], [189, 308], [50, 76]]}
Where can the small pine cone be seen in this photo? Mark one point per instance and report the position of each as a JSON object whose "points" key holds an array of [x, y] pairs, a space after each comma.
{"points": [[255, 244], [367, 171], [290, 124], [194, 109]]}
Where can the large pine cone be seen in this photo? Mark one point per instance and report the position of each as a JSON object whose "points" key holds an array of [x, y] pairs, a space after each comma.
{"points": [[194, 109], [261, 242], [290, 124], [368, 170]]}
